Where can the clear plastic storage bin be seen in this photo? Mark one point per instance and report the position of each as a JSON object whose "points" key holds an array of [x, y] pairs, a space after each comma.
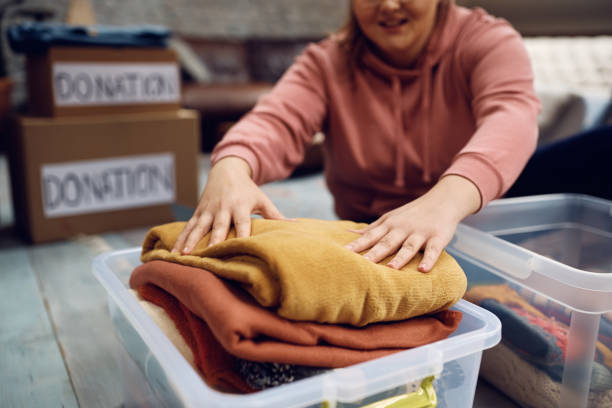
{"points": [[555, 251], [446, 370]]}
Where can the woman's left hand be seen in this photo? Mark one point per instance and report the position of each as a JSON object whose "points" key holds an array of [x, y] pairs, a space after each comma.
{"points": [[429, 222]]}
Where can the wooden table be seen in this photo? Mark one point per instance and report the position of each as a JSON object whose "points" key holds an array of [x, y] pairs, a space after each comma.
{"points": [[57, 344]]}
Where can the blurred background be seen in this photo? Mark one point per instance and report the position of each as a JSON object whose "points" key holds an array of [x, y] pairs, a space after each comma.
{"points": [[232, 52], [57, 337]]}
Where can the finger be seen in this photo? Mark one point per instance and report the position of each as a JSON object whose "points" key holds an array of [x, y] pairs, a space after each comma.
{"points": [[269, 211], [220, 228], [369, 226], [386, 246], [408, 250], [433, 249], [242, 224], [180, 241], [201, 228], [367, 239]]}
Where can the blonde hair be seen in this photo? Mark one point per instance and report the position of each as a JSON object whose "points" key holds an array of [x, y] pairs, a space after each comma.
{"points": [[352, 39]]}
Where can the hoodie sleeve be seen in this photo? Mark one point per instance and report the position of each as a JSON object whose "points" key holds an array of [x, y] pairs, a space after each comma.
{"points": [[274, 135], [504, 105]]}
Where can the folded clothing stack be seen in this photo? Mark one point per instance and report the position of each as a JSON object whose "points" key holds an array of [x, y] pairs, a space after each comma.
{"points": [[528, 364], [290, 301]]}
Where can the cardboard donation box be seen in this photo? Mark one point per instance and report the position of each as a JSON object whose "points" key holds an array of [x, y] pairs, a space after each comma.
{"points": [[91, 174], [66, 81]]}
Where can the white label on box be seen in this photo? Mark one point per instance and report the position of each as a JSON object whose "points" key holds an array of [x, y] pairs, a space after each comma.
{"points": [[109, 184], [115, 83]]}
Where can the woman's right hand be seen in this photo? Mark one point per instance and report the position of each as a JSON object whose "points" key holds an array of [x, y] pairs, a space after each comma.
{"points": [[230, 196]]}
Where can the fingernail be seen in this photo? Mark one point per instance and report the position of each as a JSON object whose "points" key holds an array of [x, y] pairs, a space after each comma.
{"points": [[423, 266], [392, 265]]}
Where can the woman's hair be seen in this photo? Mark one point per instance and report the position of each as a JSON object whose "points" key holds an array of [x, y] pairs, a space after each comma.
{"points": [[352, 39]]}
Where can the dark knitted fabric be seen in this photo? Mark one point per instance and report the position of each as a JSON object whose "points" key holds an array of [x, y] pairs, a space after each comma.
{"points": [[265, 375]]}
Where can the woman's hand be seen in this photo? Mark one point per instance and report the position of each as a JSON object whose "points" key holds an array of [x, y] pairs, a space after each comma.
{"points": [[230, 196], [428, 222]]}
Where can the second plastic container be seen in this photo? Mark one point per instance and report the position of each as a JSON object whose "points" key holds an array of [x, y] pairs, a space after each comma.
{"points": [[555, 253]]}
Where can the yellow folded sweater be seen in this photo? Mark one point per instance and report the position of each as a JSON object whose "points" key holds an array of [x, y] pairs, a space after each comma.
{"points": [[302, 270]]}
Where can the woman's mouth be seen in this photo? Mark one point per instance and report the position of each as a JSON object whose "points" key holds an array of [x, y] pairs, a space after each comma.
{"points": [[393, 25]]}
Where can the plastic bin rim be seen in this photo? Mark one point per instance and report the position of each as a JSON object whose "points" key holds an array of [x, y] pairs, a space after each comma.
{"points": [[570, 197], [456, 347], [595, 281]]}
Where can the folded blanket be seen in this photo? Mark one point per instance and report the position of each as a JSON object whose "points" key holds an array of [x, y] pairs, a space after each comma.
{"points": [[542, 342], [503, 294], [257, 375], [248, 331], [540, 332], [563, 314], [164, 322], [217, 366], [302, 270], [525, 383]]}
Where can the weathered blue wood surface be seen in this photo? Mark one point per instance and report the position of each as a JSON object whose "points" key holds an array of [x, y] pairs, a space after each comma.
{"points": [[77, 304], [32, 371]]}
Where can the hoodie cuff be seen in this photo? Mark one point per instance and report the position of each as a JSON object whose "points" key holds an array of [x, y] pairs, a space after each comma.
{"points": [[484, 176], [241, 152]]}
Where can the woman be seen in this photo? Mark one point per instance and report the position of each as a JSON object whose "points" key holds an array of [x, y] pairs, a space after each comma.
{"points": [[429, 113]]}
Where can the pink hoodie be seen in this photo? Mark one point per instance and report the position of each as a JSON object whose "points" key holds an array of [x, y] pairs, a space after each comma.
{"points": [[467, 108]]}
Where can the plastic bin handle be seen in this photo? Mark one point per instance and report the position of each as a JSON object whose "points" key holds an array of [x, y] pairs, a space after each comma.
{"points": [[488, 250], [424, 397]]}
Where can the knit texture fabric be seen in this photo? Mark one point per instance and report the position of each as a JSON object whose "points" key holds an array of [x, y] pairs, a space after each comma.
{"points": [[248, 331], [214, 362], [525, 383], [266, 375], [302, 271]]}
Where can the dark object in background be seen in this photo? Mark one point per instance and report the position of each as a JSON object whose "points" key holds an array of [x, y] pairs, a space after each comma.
{"points": [[98, 69], [241, 71], [182, 212], [579, 164], [35, 37]]}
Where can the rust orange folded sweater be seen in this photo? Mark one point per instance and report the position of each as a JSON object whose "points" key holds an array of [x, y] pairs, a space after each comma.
{"points": [[249, 331], [216, 365], [302, 271]]}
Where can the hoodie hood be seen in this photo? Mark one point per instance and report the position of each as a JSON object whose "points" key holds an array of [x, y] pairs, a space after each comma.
{"points": [[440, 42]]}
